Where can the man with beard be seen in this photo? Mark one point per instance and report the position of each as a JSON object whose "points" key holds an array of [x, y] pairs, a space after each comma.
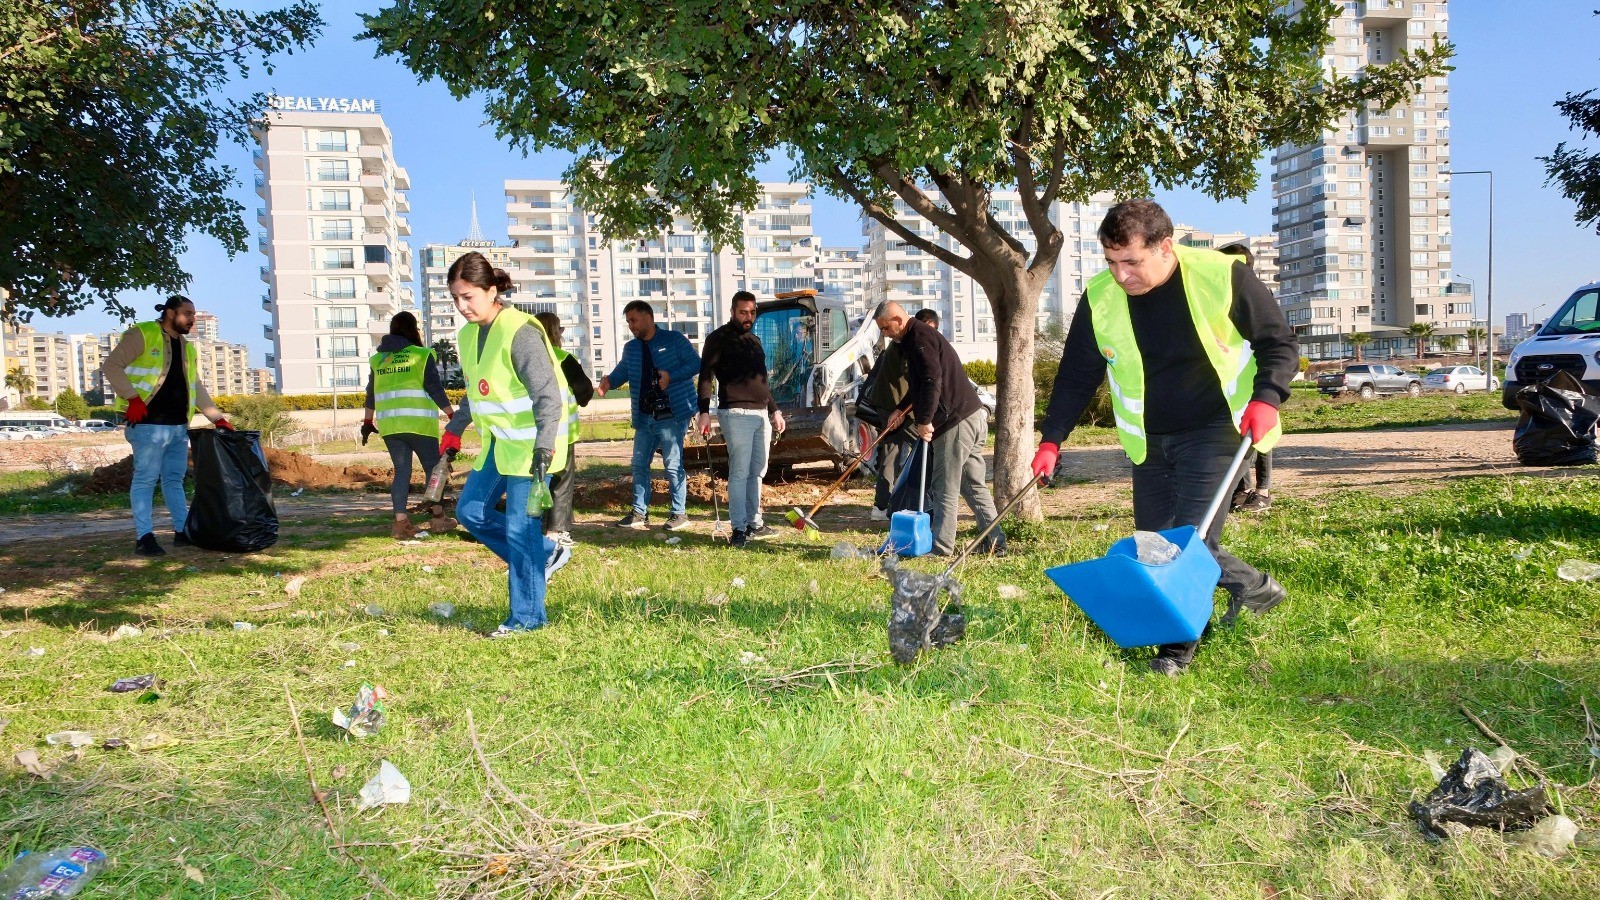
{"points": [[734, 358]]}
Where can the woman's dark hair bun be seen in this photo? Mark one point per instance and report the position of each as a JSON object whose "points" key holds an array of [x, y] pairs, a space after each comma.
{"points": [[502, 281]]}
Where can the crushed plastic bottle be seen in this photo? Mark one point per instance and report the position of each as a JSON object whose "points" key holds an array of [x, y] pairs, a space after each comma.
{"points": [[61, 872], [388, 786], [847, 550], [1153, 549], [1578, 570], [1550, 837], [70, 738], [442, 609]]}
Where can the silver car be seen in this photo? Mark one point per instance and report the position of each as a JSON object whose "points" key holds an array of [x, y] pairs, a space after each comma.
{"points": [[1457, 378]]}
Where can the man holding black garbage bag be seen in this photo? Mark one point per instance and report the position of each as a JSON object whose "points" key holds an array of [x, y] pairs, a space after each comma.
{"points": [[1197, 354]]}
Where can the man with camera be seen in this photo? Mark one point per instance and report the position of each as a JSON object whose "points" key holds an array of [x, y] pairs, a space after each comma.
{"points": [[661, 365]]}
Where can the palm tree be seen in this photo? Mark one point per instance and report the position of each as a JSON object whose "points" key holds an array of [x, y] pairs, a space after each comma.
{"points": [[1421, 331], [1357, 341], [1476, 334], [1449, 342], [19, 380]]}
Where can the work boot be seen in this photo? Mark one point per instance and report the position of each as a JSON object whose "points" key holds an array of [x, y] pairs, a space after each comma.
{"points": [[146, 546], [952, 627], [180, 539], [1171, 659], [994, 545], [1258, 601], [403, 530], [676, 523], [634, 521], [1237, 502]]}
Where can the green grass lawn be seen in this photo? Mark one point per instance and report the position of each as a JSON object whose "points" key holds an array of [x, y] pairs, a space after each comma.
{"points": [[1033, 760]]}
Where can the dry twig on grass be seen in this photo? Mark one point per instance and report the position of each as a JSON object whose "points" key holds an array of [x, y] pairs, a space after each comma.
{"points": [[817, 675], [519, 851]]}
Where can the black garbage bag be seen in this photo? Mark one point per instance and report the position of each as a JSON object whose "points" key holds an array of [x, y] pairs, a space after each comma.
{"points": [[232, 508], [908, 493], [1472, 793], [1557, 427]]}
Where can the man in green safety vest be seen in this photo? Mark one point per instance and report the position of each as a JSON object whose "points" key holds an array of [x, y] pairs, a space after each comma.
{"points": [[1196, 353], [155, 373]]}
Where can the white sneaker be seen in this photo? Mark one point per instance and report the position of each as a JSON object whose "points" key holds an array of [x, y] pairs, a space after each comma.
{"points": [[880, 515], [561, 537], [561, 556]]}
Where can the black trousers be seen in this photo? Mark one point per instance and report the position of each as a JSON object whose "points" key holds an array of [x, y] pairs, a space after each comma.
{"points": [[559, 518], [1174, 485], [401, 448]]}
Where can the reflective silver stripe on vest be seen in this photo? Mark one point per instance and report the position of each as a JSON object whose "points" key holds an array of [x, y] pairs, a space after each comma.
{"points": [[397, 395], [515, 434], [1127, 426], [510, 407], [1134, 406], [142, 370], [395, 413]]}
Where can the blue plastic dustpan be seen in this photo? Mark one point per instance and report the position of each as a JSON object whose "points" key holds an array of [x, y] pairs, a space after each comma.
{"points": [[911, 531]]}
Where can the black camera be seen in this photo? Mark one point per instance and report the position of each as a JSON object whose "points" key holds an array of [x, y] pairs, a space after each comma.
{"points": [[655, 402]]}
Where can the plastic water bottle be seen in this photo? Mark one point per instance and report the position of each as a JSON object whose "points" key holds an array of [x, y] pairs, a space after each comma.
{"points": [[62, 872], [1153, 549], [539, 497]]}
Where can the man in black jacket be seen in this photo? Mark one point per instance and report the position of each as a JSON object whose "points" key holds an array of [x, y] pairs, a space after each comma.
{"points": [[948, 414]]}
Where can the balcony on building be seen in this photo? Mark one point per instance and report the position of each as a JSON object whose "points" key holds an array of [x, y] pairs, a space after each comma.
{"points": [[261, 216], [371, 151], [402, 179], [267, 331], [381, 303], [1378, 12], [402, 226], [375, 187], [266, 302], [266, 274], [376, 214]]}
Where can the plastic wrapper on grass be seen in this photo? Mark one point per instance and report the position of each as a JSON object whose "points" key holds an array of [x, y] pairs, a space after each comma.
{"points": [[1473, 794], [366, 715]]}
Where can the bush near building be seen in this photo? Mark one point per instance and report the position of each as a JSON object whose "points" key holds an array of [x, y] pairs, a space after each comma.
{"points": [[982, 371]]}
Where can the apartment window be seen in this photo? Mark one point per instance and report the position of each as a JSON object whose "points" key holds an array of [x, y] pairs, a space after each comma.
{"points": [[327, 141], [595, 308], [339, 288], [338, 258], [337, 230], [342, 317], [335, 200], [1422, 259], [594, 265], [344, 346], [333, 170]]}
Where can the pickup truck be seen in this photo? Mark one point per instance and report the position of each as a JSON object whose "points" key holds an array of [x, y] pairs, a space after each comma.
{"points": [[1370, 380]]}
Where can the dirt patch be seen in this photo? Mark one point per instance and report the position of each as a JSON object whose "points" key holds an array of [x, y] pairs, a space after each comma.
{"points": [[802, 491], [293, 470]]}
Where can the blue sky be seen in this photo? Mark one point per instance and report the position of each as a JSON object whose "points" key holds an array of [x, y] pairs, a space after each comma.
{"points": [[1510, 67]]}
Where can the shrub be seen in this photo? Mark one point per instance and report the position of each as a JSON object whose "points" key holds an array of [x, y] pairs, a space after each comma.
{"points": [[69, 403], [1098, 412], [263, 413], [982, 371]]}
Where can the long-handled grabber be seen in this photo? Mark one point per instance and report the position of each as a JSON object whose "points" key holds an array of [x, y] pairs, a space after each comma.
{"points": [[717, 530], [803, 521]]}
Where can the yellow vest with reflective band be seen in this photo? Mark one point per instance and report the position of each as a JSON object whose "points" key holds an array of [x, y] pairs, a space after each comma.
{"points": [[145, 370], [571, 399], [1208, 286], [399, 403], [501, 407]]}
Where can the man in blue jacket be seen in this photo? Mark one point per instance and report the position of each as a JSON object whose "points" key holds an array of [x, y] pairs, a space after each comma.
{"points": [[661, 365]]}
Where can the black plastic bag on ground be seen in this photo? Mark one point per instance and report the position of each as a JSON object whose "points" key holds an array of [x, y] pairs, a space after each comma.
{"points": [[232, 507], [1472, 793], [1557, 427]]}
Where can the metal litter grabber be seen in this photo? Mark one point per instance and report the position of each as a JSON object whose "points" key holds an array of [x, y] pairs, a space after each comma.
{"points": [[803, 520], [916, 622], [1139, 604], [717, 530]]}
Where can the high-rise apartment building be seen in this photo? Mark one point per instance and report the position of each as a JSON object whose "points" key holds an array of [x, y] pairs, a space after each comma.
{"points": [[440, 320], [333, 228], [840, 275], [561, 263], [206, 327], [1363, 215], [1517, 326], [896, 270]]}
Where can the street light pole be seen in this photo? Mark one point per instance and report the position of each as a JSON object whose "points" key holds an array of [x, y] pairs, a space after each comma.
{"points": [[1474, 282], [1488, 382]]}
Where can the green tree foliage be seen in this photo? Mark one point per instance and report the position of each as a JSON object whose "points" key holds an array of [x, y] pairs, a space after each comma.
{"points": [[263, 413], [981, 371], [1476, 335], [1420, 331], [669, 105], [1358, 341], [37, 404], [19, 379], [71, 405], [444, 350], [108, 140]]}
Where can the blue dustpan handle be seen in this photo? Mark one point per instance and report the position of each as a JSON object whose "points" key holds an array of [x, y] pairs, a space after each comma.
{"points": [[1226, 487]]}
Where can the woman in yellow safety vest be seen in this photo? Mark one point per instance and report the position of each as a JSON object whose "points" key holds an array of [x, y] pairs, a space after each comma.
{"points": [[515, 394], [404, 397]]}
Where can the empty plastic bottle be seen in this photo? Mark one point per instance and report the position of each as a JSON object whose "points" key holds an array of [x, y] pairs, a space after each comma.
{"points": [[1153, 549], [62, 872], [1578, 570]]}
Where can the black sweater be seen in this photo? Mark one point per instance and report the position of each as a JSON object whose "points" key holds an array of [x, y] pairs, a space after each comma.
{"points": [[1181, 389], [941, 394], [737, 362]]}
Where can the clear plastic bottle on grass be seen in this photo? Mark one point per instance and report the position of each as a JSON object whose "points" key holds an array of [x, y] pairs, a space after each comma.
{"points": [[62, 872]]}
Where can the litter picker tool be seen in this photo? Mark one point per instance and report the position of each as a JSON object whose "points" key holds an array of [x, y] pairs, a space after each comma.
{"points": [[916, 622], [803, 520], [711, 473], [1140, 604]]}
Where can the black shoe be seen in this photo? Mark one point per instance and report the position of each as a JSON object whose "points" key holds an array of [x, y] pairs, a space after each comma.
{"points": [[739, 540], [952, 627], [994, 548], [1238, 500], [1255, 502], [634, 521], [763, 532], [676, 523], [179, 539], [146, 546], [1259, 601], [1171, 659]]}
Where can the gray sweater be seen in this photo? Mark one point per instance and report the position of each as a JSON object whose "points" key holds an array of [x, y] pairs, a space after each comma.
{"points": [[531, 361]]}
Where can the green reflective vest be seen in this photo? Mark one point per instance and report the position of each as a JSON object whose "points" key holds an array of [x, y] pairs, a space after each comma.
{"points": [[399, 403], [1208, 286], [145, 371], [501, 407], [571, 399]]}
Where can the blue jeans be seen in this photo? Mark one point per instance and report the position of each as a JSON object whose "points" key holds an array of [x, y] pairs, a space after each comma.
{"points": [[513, 535], [746, 432], [666, 437], [160, 453]]}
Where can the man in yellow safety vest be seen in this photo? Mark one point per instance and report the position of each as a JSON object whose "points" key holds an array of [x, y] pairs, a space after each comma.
{"points": [[1196, 353]]}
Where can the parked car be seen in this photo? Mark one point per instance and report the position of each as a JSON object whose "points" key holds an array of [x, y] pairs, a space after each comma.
{"points": [[1369, 380], [16, 433], [1569, 341], [98, 426], [1457, 378]]}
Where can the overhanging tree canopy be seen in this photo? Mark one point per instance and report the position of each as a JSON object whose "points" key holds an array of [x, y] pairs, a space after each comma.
{"points": [[877, 101], [109, 126]]}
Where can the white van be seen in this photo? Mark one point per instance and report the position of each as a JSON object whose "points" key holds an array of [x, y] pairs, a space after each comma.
{"points": [[1568, 341]]}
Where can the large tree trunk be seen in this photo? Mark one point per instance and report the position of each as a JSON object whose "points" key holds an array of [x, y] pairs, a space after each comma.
{"points": [[1015, 303]]}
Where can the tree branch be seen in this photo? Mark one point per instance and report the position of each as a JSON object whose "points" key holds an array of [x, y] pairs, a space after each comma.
{"points": [[1037, 210], [841, 181], [918, 200]]}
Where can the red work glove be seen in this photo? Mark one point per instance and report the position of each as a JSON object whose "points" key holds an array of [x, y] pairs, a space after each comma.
{"points": [[449, 442], [135, 412], [1258, 420], [223, 425], [1044, 462]]}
